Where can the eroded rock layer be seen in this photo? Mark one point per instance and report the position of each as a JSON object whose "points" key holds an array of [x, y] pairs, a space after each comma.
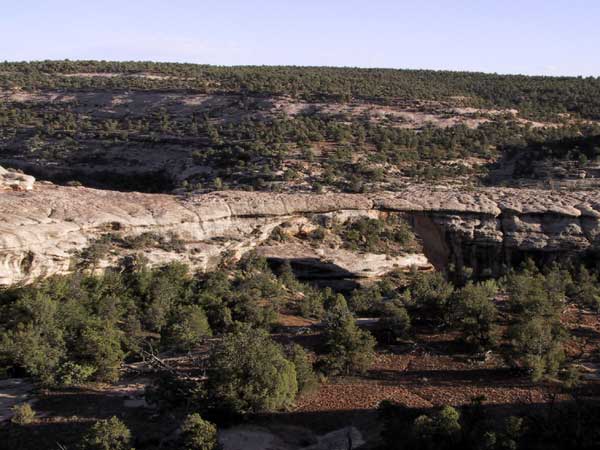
{"points": [[41, 229]]}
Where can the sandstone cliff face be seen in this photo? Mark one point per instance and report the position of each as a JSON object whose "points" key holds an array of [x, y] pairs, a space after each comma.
{"points": [[41, 229]]}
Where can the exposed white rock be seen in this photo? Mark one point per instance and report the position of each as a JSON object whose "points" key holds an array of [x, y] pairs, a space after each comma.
{"points": [[15, 180], [41, 229]]}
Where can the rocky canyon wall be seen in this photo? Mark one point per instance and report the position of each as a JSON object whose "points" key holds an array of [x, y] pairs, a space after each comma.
{"points": [[43, 226]]}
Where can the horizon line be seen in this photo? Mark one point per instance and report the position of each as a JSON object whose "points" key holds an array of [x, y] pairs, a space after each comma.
{"points": [[141, 61]]}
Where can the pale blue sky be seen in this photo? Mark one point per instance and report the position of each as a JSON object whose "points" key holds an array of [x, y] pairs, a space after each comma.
{"points": [[553, 37]]}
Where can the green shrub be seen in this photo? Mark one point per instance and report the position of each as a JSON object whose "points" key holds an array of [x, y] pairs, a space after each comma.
{"points": [[23, 414], [532, 293], [279, 235], [365, 300], [375, 235], [311, 305], [538, 346], [186, 327], [586, 290], [348, 349], [99, 344], [198, 434], [169, 241], [109, 434], [37, 343], [476, 314], [252, 262], [249, 373], [537, 336], [73, 374], [430, 297], [394, 323], [246, 309], [305, 375], [165, 287], [440, 430]]}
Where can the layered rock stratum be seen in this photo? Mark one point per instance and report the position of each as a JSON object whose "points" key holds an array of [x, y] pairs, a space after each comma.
{"points": [[43, 226]]}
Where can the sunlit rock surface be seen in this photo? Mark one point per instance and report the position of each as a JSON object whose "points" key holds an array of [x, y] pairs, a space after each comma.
{"points": [[43, 225]]}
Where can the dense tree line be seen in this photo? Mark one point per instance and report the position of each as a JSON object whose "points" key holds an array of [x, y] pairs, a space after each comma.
{"points": [[534, 96], [67, 330]]}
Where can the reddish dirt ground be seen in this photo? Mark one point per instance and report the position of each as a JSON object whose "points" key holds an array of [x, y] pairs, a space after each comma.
{"points": [[434, 370], [429, 371]]}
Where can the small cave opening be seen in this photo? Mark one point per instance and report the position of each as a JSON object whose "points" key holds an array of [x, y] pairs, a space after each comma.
{"points": [[27, 262], [151, 182], [317, 272]]}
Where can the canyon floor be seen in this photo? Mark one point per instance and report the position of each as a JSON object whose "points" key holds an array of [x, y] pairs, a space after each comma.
{"points": [[428, 371]]}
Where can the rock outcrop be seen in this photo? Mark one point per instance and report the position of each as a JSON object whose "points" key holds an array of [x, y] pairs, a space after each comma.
{"points": [[15, 181], [41, 229]]}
